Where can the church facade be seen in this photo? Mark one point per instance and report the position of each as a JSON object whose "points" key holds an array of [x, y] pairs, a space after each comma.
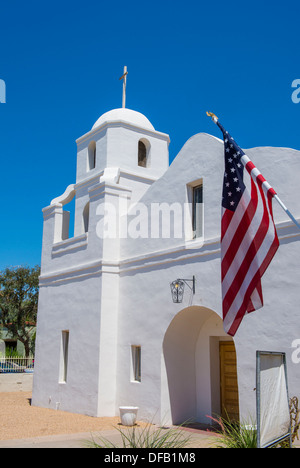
{"points": [[130, 307]]}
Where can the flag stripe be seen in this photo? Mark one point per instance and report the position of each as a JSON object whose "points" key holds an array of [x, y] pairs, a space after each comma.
{"points": [[238, 303], [226, 220], [256, 299], [239, 235], [232, 322], [248, 235], [240, 249], [255, 252], [235, 220], [252, 257]]}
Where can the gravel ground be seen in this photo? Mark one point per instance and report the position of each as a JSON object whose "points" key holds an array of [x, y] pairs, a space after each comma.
{"points": [[18, 419]]}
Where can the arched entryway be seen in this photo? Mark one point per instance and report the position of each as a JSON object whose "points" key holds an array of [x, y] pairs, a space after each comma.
{"points": [[192, 370]]}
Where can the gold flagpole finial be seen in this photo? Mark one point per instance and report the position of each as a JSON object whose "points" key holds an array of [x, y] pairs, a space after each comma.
{"points": [[213, 116]]}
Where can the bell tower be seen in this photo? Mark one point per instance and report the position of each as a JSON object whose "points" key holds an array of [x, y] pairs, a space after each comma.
{"points": [[114, 141], [118, 159]]}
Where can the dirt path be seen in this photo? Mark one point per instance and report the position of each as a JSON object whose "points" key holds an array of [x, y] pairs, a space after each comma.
{"points": [[18, 419]]}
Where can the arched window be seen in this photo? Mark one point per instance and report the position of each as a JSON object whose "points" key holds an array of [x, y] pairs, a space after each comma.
{"points": [[91, 156], [143, 153], [86, 217]]}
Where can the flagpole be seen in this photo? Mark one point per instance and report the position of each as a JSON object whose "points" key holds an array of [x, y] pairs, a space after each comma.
{"points": [[215, 120], [286, 210]]}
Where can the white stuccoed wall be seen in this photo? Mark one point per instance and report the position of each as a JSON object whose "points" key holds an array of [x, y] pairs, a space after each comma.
{"points": [[114, 293]]}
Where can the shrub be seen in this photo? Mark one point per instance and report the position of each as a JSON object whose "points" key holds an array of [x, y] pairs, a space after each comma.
{"points": [[145, 437], [234, 434]]}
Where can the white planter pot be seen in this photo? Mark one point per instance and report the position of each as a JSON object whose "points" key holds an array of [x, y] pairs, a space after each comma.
{"points": [[128, 415]]}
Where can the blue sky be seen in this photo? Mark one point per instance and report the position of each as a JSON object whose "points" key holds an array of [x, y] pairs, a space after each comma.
{"points": [[61, 62]]}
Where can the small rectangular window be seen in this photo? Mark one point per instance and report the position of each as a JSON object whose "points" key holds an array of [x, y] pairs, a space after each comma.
{"points": [[198, 211], [91, 161], [136, 363], [64, 351]]}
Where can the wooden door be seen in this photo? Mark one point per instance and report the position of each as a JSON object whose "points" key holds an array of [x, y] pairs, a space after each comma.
{"points": [[228, 381]]}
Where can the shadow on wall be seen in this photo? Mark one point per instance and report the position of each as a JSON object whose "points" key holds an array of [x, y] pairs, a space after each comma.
{"points": [[191, 357]]}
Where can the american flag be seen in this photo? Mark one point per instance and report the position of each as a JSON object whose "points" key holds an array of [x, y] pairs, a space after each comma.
{"points": [[248, 235]]}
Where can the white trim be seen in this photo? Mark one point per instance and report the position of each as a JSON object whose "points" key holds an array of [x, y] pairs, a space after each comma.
{"points": [[66, 197], [122, 123], [123, 173], [70, 244], [285, 230]]}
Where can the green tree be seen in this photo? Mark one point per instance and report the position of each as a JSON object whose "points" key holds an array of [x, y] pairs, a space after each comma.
{"points": [[19, 288]]}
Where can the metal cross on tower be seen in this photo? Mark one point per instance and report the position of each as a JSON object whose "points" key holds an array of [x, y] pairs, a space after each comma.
{"points": [[124, 78]]}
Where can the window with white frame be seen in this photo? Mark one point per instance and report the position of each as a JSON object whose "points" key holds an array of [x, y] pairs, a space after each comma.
{"points": [[197, 213]]}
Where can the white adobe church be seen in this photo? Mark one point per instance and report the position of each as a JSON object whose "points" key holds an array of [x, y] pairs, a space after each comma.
{"points": [[109, 333]]}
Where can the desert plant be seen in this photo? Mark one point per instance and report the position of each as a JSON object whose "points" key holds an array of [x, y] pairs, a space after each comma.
{"points": [[236, 435], [295, 422], [295, 417], [233, 434], [145, 437]]}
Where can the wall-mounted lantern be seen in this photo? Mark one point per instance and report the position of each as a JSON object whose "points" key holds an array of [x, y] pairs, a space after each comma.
{"points": [[177, 288]]}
